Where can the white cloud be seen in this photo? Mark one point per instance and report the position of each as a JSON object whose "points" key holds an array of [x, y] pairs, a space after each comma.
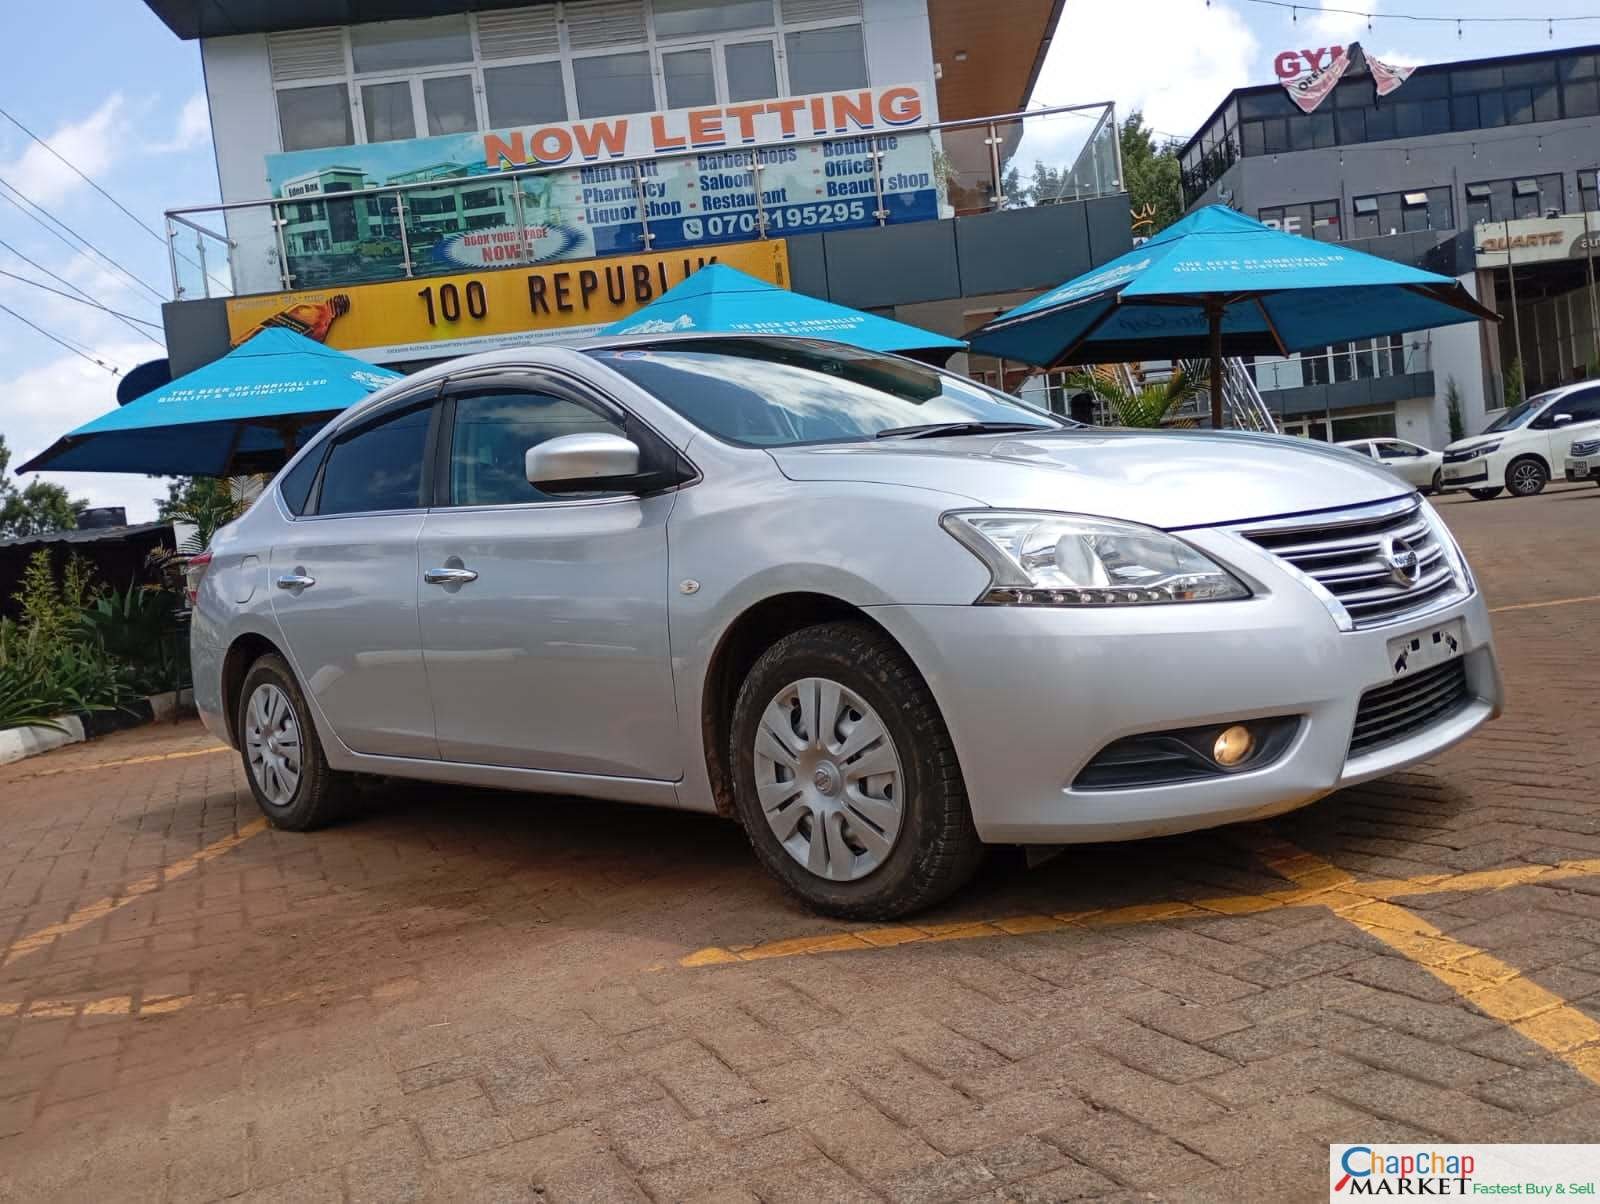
{"points": [[1173, 59], [1398, 58], [44, 403], [1342, 26], [91, 144], [193, 128]]}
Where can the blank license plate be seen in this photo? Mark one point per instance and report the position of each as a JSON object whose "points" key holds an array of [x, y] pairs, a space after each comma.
{"points": [[1426, 648]]}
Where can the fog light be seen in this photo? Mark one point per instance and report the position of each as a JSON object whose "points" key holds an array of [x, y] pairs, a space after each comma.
{"points": [[1233, 745]]}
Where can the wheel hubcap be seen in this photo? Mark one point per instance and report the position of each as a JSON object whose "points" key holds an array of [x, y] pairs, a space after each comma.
{"points": [[272, 743], [828, 779], [1526, 477]]}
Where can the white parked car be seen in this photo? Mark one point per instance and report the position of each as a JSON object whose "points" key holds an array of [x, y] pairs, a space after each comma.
{"points": [[1583, 460], [1527, 445], [1408, 461]]}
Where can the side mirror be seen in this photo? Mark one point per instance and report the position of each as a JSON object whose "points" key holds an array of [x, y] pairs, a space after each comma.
{"points": [[578, 463], [1560, 418]]}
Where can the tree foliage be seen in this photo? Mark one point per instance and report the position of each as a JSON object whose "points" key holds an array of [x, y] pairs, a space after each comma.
{"points": [[1150, 174], [35, 508], [1146, 404]]}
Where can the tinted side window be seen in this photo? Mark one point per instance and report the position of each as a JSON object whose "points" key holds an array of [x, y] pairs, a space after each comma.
{"points": [[493, 432], [295, 487], [1584, 407], [380, 467]]}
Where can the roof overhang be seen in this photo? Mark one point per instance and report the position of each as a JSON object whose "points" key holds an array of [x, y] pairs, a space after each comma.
{"points": [[216, 18], [989, 61]]}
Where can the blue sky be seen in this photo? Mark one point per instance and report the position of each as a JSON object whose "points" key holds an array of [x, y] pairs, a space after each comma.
{"points": [[112, 88]]}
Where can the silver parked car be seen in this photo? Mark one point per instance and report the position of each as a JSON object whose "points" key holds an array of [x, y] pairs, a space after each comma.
{"points": [[875, 612]]}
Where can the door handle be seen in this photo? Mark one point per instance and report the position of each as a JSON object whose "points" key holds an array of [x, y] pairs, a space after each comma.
{"points": [[449, 576], [296, 581]]}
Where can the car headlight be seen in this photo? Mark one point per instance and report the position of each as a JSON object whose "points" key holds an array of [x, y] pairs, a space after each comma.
{"points": [[1043, 559], [1484, 450]]}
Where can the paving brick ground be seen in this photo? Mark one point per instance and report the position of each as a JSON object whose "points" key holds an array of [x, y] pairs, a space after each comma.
{"points": [[468, 995]]}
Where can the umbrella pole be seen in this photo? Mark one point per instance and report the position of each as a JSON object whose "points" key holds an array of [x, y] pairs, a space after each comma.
{"points": [[1214, 317]]}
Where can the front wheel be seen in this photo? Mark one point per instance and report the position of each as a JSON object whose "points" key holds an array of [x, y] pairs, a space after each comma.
{"points": [[283, 758], [845, 776], [1526, 477], [1484, 495], [1438, 481]]}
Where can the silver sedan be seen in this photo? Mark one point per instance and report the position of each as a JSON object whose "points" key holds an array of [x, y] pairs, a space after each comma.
{"points": [[876, 613]]}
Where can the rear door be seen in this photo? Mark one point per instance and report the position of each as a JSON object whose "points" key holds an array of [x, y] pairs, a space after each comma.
{"points": [[1406, 460], [345, 583], [554, 654], [1584, 408]]}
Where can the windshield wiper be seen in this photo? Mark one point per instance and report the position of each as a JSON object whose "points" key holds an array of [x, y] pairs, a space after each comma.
{"points": [[931, 430]]}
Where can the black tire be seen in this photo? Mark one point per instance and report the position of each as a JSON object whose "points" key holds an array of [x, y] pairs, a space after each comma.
{"points": [[1526, 477], [1438, 481], [937, 848], [1484, 495], [321, 794]]}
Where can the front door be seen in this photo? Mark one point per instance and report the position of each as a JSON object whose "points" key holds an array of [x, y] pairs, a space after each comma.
{"points": [[345, 582], [544, 627]]}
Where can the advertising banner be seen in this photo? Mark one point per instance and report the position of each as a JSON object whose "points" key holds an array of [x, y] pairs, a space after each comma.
{"points": [[1386, 76], [478, 311], [1311, 89], [730, 166]]}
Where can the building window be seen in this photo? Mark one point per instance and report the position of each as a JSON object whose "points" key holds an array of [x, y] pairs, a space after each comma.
{"points": [[690, 77], [387, 111], [1399, 212], [525, 94], [609, 85], [752, 71], [685, 18], [448, 102], [1505, 200], [1314, 219], [312, 117], [1589, 190], [826, 60], [388, 46]]}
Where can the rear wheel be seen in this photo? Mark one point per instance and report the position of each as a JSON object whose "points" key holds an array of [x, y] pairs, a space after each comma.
{"points": [[845, 776], [1438, 481], [283, 759], [1483, 495], [1526, 477]]}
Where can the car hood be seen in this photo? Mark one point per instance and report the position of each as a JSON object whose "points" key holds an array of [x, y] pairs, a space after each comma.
{"points": [[1166, 479], [1473, 441]]}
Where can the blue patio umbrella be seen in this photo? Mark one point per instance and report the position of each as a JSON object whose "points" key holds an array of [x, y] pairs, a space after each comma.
{"points": [[240, 413], [722, 300], [1219, 283]]}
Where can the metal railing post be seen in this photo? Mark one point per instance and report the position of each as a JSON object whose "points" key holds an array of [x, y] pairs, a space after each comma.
{"points": [[1116, 146], [644, 218], [880, 210], [761, 202], [200, 250], [522, 222], [997, 196], [405, 235], [172, 258], [285, 276]]}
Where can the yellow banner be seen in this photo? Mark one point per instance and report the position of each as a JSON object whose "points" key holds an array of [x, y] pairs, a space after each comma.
{"points": [[433, 316]]}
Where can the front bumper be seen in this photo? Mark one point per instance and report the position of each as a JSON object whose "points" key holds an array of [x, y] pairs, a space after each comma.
{"points": [[1582, 468], [1464, 475], [1031, 695]]}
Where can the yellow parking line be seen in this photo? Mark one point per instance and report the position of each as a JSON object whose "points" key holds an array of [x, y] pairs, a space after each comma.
{"points": [[100, 908], [88, 765], [1496, 610]]}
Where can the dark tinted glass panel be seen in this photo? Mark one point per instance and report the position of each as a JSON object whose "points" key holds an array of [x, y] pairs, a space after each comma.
{"points": [[1491, 110], [1299, 133], [1276, 135], [1539, 72], [1477, 79], [1546, 103], [1578, 66], [1321, 129], [1464, 113], [1380, 123], [378, 468], [1439, 215], [1433, 86], [1519, 105], [1354, 94], [1254, 138], [1275, 103], [295, 487], [1352, 125], [1581, 99]]}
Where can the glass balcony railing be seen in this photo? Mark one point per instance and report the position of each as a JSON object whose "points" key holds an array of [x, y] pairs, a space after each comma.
{"points": [[1364, 359], [464, 216]]}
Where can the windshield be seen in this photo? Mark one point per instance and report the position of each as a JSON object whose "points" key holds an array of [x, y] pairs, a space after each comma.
{"points": [[771, 393], [1517, 416]]}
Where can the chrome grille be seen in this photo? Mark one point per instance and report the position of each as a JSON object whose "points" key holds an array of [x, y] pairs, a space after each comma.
{"points": [[1586, 447], [1402, 708], [1343, 552]]}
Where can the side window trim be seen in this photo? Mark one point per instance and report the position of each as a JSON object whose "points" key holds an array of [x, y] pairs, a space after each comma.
{"points": [[428, 396]]}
